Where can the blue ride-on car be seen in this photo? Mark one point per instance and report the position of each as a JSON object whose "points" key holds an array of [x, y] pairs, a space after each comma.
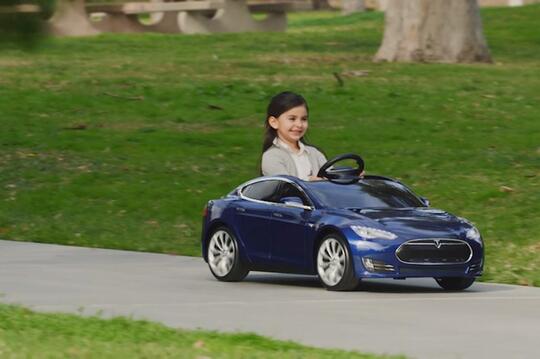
{"points": [[343, 229]]}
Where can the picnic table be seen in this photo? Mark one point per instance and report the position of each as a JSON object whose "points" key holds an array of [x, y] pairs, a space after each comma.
{"points": [[178, 16], [19, 9]]}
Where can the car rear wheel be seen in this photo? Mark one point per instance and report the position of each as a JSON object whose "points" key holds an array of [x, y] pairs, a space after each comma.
{"points": [[456, 283], [224, 256], [334, 264]]}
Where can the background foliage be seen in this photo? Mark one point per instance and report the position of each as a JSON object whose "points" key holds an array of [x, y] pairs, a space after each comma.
{"points": [[23, 30]]}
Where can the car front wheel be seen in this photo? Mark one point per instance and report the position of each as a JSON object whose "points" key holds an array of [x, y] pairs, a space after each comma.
{"points": [[334, 264], [224, 256], [456, 283]]}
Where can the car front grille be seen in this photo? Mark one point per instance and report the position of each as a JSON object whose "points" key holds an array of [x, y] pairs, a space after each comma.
{"points": [[434, 251]]}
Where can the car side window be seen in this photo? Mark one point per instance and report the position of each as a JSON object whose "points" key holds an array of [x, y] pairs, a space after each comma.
{"points": [[289, 190], [263, 191]]}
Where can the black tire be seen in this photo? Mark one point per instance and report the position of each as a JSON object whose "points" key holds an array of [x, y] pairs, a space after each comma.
{"points": [[232, 270], [455, 283], [348, 280]]}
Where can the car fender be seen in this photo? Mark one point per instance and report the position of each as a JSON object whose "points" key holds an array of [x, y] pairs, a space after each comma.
{"points": [[313, 245], [216, 223]]}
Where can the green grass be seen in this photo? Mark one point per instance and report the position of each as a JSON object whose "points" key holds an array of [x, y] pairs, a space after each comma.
{"points": [[25, 334], [118, 141]]}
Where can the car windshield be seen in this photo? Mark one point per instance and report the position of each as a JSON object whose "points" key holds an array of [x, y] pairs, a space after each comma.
{"points": [[368, 193]]}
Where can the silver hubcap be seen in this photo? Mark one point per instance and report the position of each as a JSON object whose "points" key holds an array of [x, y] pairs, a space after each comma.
{"points": [[331, 261], [221, 253]]}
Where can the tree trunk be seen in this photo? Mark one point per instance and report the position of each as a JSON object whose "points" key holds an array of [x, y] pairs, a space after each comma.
{"points": [[351, 6], [433, 31], [70, 19], [321, 5]]}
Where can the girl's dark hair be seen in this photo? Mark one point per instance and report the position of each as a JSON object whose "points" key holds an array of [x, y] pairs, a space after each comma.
{"points": [[280, 103]]}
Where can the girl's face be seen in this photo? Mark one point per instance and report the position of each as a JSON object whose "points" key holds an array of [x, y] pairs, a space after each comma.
{"points": [[291, 125]]}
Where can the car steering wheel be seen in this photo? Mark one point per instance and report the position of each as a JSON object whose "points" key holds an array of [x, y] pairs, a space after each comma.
{"points": [[342, 175]]}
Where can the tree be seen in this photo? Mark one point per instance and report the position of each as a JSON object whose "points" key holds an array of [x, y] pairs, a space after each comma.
{"points": [[22, 21], [433, 31], [351, 6], [70, 19]]}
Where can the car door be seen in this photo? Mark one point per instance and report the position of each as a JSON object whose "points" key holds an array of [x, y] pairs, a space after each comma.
{"points": [[253, 212], [288, 229]]}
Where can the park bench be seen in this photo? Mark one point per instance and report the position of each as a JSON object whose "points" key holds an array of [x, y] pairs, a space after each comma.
{"points": [[196, 16], [124, 17], [236, 16], [19, 9]]}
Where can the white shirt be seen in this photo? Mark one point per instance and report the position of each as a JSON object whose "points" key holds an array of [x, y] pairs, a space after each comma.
{"points": [[300, 159]]}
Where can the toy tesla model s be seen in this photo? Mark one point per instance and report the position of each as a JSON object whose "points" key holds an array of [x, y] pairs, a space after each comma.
{"points": [[343, 229]]}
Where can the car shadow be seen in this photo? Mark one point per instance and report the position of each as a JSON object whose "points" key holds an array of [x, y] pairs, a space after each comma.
{"points": [[284, 279], [411, 285]]}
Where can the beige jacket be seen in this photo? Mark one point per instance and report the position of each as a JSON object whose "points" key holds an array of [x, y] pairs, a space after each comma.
{"points": [[278, 161]]}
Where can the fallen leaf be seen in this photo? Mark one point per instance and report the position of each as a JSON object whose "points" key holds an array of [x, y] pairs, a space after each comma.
{"points": [[506, 189], [198, 344], [215, 107], [356, 73], [79, 126]]}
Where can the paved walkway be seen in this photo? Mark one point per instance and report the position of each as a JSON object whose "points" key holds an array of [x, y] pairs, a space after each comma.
{"points": [[412, 317]]}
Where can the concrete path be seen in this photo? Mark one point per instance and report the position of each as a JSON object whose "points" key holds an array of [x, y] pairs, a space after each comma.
{"points": [[412, 317]]}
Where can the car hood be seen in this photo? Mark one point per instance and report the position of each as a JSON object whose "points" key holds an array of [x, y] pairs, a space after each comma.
{"points": [[415, 222]]}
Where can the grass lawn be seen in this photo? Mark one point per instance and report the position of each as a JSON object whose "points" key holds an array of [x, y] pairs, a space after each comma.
{"points": [[24, 334], [118, 141]]}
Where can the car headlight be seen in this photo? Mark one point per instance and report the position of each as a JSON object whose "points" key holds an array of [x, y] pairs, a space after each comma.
{"points": [[371, 233], [473, 234]]}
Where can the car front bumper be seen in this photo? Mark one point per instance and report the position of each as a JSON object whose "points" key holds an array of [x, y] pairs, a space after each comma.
{"points": [[376, 259]]}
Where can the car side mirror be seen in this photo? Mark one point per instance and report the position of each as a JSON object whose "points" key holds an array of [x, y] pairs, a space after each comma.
{"points": [[425, 201], [292, 199]]}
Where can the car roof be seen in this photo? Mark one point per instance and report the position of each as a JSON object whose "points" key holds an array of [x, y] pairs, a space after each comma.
{"points": [[300, 181], [306, 185]]}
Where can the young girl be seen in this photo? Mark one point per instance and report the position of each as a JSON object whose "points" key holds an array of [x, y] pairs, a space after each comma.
{"points": [[285, 151]]}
